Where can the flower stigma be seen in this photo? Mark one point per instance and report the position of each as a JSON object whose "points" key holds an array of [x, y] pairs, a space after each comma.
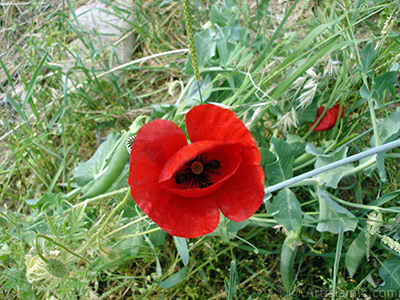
{"points": [[197, 167], [197, 173]]}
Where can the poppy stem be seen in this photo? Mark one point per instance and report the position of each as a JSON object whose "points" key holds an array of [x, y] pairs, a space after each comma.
{"points": [[49, 239], [331, 166], [198, 87]]}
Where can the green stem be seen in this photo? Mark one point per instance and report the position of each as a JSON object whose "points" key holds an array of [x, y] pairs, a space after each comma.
{"points": [[297, 180], [140, 233], [364, 77], [122, 203], [229, 240], [59, 245]]}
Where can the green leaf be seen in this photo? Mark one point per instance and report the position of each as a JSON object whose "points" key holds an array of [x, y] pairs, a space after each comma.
{"points": [[46, 198], [330, 178], [364, 92], [384, 81], [358, 250], [227, 229], [89, 170], [182, 247], [288, 255], [267, 157], [217, 16], [224, 50], [282, 168], [382, 200], [157, 237], [193, 97], [174, 279], [332, 216], [308, 114], [286, 210], [205, 49], [368, 55], [130, 246], [390, 274], [388, 130], [223, 16]]}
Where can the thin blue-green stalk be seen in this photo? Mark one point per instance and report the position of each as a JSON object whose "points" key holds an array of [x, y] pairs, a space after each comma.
{"points": [[344, 161]]}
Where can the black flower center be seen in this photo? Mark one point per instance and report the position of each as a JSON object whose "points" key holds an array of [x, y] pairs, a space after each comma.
{"points": [[198, 172]]}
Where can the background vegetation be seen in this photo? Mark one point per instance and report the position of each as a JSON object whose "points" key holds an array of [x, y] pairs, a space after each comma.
{"points": [[273, 63]]}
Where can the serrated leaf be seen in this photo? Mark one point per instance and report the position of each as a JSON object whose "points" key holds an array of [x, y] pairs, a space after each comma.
{"points": [[88, 170], [390, 274], [76, 222], [286, 210], [332, 216]]}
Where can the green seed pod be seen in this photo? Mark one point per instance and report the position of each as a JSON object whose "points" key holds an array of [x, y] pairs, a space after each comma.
{"points": [[57, 268]]}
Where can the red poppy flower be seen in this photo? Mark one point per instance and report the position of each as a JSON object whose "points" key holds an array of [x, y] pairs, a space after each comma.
{"points": [[183, 187], [329, 120]]}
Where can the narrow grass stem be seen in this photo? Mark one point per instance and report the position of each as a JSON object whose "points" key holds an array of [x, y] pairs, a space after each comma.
{"points": [[122, 203], [59, 245], [140, 233], [99, 197], [332, 166], [126, 225], [365, 81], [339, 247]]}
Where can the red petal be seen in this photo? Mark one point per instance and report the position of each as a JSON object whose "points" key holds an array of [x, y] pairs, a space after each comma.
{"points": [[154, 145], [242, 194], [227, 154], [210, 122], [181, 216], [329, 119]]}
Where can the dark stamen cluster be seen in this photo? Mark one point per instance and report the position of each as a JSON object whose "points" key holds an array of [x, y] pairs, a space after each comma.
{"points": [[197, 173]]}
